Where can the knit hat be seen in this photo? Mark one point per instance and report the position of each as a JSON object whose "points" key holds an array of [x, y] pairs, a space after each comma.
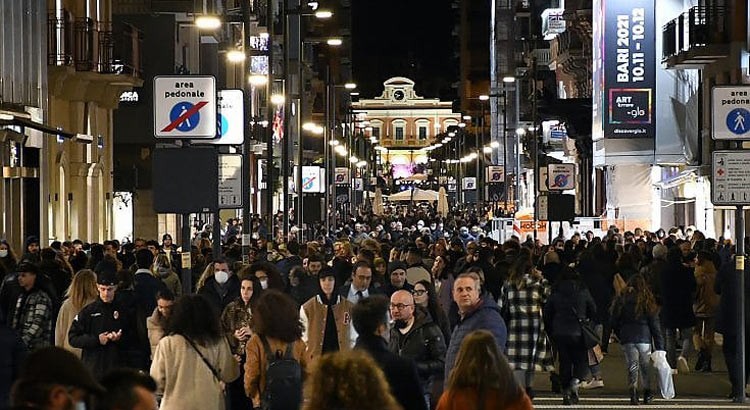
{"points": [[396, 265], [59, 366], [32, 239]]}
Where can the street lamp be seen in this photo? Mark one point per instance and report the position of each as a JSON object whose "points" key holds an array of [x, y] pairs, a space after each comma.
{"points": [[207, 22]]}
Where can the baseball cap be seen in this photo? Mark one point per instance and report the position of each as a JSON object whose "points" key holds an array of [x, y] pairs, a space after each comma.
{"points": [[59, 366]]}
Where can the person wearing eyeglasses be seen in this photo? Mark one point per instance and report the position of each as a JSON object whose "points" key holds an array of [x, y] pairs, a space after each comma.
{"points": [[415, 336]]}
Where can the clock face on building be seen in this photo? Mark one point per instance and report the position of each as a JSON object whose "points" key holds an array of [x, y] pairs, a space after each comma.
{"points": [[398, 95]]}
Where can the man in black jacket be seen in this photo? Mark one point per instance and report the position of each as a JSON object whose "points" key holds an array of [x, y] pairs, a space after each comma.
{"points": [[370, 319], [415, 336], [98, 328]]}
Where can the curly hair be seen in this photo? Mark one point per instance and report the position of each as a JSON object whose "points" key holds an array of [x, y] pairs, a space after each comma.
{"points": [[347, 381], [276, 315], [645, 302]]}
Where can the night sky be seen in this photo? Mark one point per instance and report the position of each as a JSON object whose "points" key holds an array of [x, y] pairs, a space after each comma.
{"points": [[410, 38]]}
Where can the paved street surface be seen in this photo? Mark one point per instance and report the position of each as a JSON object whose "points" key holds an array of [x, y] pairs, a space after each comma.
{"points": [[693, 390]]}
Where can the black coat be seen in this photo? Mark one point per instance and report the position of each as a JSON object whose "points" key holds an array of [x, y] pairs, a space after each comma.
{"points": [[401, 373], [94, 319], [569, 301], [677, 294], [220, 296], [726, 285], [425, 344], [12, 354]]}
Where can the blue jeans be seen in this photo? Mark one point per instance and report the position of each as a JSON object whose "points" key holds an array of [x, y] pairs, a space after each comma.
{"points": [[637, 357]]}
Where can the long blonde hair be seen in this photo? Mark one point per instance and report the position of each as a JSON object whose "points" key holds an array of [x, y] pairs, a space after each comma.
{"points": [[348, 381], [160, 260], [82, 289]]}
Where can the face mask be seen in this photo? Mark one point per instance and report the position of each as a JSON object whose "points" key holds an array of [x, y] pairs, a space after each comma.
{"points": [[163, 272], [264, 284], [221, 277], [3, 253]]}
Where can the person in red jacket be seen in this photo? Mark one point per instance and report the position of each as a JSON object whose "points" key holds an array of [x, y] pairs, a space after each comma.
{"points": [[482, 378]]}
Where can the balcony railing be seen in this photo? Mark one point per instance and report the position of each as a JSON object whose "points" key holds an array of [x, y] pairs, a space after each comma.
{"points": [[701, 26], [88, 45]]}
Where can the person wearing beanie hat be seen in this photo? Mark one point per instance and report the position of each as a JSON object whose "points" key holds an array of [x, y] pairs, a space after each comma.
{"points": [[326, 319], [397, 278], [98, 328], [54, 378], [31, 250]]}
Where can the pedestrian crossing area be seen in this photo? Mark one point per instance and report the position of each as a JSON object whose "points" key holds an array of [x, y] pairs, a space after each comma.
{"points": [[617, 402]]}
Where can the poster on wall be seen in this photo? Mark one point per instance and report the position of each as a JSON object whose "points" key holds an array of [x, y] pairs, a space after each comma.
{"points": [[629, 68]]}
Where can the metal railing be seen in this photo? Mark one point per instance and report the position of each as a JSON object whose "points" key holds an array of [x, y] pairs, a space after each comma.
{"points": [[89, 45], [700, 26]]}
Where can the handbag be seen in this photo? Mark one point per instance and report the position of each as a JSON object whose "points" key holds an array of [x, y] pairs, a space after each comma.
{"points": [[588, 333]]}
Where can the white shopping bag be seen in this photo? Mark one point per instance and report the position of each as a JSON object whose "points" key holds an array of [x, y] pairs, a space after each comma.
{"points": [[664, 374]]}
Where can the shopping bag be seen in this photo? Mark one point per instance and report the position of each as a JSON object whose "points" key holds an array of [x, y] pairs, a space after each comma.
{"points": [[664, 374]]}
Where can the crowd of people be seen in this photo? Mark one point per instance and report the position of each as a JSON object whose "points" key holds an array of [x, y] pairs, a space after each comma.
{"points": [[405, 312]]}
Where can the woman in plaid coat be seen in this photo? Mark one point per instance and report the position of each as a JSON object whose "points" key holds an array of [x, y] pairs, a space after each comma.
{"points": [[522, 300]]}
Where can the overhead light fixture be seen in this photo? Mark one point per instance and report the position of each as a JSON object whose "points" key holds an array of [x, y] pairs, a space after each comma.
{"points": [[361, 164], [353, 159], [323, 14], [438, 145], [334, 143], [487, 150], [334, 41], [341, 150], [484, 97], [257, 79], [354, 94], [495, 144], [350, 86], [451, 134], [277, 99], [461, 125], [207, 22], [318, 130], [309, 126], [520, 131], [509, 79], [466, 117], [235, 56]]}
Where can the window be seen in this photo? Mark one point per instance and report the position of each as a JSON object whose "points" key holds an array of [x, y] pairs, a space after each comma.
{"points": [[423, 132], [376, 132], [400, 133]]}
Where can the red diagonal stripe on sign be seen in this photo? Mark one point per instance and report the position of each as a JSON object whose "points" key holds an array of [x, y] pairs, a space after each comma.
{"points": [[184, 116]]}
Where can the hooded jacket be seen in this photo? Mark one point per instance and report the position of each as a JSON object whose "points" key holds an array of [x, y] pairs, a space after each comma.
{"points": [[424, 344]]}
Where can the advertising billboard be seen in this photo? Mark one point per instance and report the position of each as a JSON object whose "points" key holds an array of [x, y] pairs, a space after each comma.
{"points": [[627, 60]]}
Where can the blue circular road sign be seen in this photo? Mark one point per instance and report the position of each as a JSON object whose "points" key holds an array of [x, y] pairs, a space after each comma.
{"points": [[223, 125], [183, 112], [738, 121]]}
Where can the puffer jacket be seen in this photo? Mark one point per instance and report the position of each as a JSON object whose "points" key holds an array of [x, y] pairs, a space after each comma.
{"points": [[424, 344]]}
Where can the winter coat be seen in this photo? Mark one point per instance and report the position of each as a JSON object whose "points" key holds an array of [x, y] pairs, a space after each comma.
{"points": [[172, 282], [185, 379], [727, 285], [633, 328], [220, 296], [155, 328], [256, 363], [423, 343], [706, 299], [528, 345], [597, 272], [91, 321], [485, 316], [62, 327], [570, 301], [467, 398], [33, 318], [235, 316], [12, 355], [400, 372], [313, 315], [677, 288]]}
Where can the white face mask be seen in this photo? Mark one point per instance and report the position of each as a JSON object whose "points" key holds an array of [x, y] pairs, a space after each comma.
{"points": [[221, 276], [264, 284], [3, 253]]}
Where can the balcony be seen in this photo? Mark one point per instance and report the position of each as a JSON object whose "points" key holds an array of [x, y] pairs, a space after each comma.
{"points": [[83, 54], [698, 37]]}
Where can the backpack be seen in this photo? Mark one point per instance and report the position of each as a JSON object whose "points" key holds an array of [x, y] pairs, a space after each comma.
{"points": [[283, 380]]}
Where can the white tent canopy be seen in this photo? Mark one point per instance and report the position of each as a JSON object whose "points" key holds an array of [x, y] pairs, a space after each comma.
{"points": [[416, 194]]}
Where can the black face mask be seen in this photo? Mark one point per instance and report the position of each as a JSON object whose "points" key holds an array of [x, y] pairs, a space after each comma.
{"points": [[400, 324]]}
